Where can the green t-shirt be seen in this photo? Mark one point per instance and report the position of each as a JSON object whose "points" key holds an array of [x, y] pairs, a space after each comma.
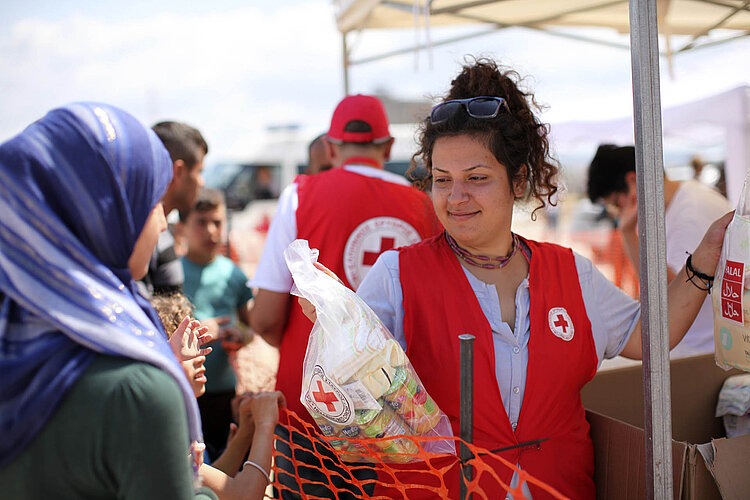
{"points": [[121, 432], [217, 289]]}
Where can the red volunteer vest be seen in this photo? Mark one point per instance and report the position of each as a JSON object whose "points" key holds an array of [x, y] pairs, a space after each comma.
{"points": [[559, 364], [351, 219]]}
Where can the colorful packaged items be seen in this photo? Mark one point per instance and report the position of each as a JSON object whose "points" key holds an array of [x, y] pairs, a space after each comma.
{"points": [[357, 382]]}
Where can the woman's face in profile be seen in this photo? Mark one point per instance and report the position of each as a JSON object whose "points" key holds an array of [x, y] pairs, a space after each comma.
{"points": [[144, 246]]}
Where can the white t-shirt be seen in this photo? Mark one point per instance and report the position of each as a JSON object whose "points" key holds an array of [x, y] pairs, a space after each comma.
{"points": [[694, 207]]}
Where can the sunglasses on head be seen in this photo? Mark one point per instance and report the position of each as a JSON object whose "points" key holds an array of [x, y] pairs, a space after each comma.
{"points": [[476, 107]]}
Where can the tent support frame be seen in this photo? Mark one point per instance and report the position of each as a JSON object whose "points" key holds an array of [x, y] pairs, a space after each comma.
{"points": [[652, 248]]}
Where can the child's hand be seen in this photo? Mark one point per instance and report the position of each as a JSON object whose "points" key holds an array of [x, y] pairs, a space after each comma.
{"points": [[235, 337], [187, 341], [264, 408], [215, 325]]}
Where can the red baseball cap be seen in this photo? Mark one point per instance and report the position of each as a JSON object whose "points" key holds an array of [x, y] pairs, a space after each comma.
{"points": [[359, 118]]}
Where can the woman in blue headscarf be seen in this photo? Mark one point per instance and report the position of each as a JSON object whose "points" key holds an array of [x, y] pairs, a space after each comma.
{"points": [[93, 403]]}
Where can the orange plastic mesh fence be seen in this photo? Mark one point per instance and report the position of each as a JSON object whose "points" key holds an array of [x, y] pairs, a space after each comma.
{"points": [[306, 463]]}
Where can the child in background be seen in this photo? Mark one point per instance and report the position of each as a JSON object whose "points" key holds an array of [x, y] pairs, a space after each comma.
{"points": [[218, 290], [172, 310]]}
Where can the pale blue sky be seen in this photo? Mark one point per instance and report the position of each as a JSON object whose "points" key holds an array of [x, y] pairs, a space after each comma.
{"points": [[233, 67]]}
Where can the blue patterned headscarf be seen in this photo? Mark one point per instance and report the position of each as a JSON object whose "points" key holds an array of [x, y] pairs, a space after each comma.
{"points": [[76, 189]]}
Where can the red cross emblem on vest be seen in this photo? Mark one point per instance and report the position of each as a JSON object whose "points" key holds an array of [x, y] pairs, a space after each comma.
{"points": [[560, 323]]}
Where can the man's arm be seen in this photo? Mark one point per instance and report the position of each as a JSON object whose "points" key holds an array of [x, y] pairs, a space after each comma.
{"points": [[269, 314]]}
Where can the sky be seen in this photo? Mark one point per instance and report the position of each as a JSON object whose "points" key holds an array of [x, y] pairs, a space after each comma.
{"points": [[235, 67]]}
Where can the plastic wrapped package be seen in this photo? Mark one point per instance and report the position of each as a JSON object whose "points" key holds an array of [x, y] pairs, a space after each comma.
{"points": [[357, 382], [731, 290], [734, 405]]}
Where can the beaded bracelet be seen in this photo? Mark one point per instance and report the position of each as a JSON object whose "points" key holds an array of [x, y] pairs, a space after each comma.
{"points": [[266, 475], [692, 273]]}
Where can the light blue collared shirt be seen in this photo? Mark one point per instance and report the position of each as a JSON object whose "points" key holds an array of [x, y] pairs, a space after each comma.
{"points": [[613, 315]]}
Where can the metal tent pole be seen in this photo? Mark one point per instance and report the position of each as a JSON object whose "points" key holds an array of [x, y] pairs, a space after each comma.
{"points": [[467, 408], [652, 248]]}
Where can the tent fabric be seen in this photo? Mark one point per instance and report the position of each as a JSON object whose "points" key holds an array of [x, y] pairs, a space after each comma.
{"points": [[696, 121], [677, 17]]}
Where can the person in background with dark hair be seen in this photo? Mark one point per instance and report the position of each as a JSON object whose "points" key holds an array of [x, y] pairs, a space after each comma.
{"points": [[187, 149], [690, 208], [318, 159], [217, 288], [543, 317]]}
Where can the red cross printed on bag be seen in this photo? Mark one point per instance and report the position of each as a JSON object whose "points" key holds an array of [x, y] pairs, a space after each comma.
{"points": [[327, 398], [369, 258], [324, 397]]}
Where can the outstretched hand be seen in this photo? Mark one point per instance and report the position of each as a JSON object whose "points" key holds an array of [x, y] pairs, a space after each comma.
{"points": [[262, 409], [215, 326], [188, 340], [706, 256]]}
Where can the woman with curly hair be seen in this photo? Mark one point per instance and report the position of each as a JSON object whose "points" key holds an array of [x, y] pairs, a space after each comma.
{"points": [[543, 316]]}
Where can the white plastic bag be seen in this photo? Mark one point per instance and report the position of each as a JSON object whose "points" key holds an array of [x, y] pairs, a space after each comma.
{"points": [[731, 290], [357, 382]]}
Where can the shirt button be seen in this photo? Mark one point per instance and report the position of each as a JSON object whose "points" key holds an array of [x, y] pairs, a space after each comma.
{"points": [[516, 350], [514, 424], [516, 390]]}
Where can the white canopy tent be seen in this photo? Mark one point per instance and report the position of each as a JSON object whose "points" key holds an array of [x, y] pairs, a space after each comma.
{"points": [[719, 119], [702, 20], [695, 18]]}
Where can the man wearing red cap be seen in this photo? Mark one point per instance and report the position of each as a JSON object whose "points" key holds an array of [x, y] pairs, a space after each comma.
{"points": [[351, 214]]}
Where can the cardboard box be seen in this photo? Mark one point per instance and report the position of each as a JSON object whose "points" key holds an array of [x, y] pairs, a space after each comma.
{"points": [[705, 464]]}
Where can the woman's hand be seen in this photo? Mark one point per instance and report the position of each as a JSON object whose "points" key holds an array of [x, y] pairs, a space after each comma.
{"points": [[187, 341], [706, 256], [307, 308]]}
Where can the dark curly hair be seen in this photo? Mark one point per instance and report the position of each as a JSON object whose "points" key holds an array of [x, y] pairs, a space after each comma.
{"points": [[515, 139], [172, 309]]}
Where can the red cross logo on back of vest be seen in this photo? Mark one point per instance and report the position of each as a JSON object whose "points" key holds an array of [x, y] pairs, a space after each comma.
{"points": [[560, 323], [327, 398], [370, 239], [369, 258]]}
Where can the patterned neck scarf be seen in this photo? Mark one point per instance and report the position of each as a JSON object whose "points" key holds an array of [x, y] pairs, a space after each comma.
{"points": [[76, 189]]}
